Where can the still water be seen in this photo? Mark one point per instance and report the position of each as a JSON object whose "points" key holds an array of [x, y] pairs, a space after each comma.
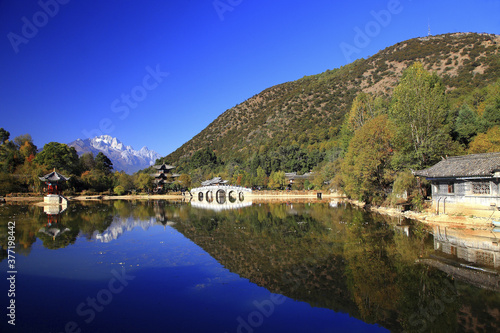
{"points": [[159, 266]]}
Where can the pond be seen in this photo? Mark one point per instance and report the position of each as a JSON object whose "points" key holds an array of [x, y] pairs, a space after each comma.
{"points": [[163, 266]]}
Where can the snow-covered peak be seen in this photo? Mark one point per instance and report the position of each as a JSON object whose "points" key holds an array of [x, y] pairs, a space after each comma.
{"points": [[123, 157], [109, 141]]}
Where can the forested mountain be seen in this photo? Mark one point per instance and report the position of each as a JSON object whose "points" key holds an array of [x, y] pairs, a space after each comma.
{"points": [[308, 113]]}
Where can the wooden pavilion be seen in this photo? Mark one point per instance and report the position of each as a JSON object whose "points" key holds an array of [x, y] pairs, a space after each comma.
{"points": [[54, 181]]}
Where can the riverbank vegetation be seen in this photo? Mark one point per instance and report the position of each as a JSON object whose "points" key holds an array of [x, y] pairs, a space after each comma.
{"points": [[21, 165]]}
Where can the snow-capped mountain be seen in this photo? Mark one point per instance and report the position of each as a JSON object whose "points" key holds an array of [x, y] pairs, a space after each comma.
{"points": [[123, 157]]}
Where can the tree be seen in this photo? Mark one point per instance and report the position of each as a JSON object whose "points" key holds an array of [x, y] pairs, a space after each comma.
{"points": [[486, 143], [204, 157], [103, 163], [419, 110], [466, 125], [21, 139], [184, 180], [59, 156], [27, 150], [143, 181], [4, 136], [365, 169], [261, 178], [97, 180], [362, 110], [277, 180], [87, 162], [124, 180], [119, 190]]}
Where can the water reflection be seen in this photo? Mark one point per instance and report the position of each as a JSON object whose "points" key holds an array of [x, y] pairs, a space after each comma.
{"points": [[472, 256], [330, 256], [475, 246]]}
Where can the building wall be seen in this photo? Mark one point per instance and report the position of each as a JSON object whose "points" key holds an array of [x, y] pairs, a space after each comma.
{"points": [[470, 192]]}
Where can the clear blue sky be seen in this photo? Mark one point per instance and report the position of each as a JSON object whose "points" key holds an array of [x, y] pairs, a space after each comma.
{"points": [[155, 73]]}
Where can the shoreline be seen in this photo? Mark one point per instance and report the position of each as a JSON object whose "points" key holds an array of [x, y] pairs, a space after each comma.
{"points": [[478, 218]]}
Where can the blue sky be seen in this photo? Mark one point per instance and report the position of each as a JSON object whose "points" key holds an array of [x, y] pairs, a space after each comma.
{"points": [[155, 73]]}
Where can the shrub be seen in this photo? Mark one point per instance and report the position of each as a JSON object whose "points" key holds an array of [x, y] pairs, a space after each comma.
{"points": [[119, 190]]}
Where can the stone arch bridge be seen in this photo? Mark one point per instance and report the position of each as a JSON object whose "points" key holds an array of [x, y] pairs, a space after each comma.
{"points": [[220, 193]]}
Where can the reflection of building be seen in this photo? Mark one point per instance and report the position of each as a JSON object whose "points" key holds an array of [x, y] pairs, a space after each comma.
{"points": [[219, 207], [473, 179], [163, 176], [476, 247], [473, 257], [54, 228]]}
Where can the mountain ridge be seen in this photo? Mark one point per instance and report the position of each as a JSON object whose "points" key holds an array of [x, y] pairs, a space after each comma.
{"points": [[123, 157], [309, 111]]}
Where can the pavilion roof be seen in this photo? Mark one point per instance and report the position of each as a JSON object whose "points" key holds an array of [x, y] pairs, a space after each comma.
{"points": [[163, 167], [54, 177], [214, 181]]}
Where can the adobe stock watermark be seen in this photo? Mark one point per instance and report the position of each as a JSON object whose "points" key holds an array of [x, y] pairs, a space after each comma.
{"points": [[223, 6], [30, 28], [88, 310], [420, 320], [264, 309], [372, 29], [127, 101]]}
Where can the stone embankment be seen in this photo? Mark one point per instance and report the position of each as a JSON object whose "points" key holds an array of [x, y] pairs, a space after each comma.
{"points": [[459, 217]]}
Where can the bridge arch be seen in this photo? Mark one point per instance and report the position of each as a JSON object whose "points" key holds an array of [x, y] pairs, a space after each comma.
{"points": [[220, 196], [210, 196]]}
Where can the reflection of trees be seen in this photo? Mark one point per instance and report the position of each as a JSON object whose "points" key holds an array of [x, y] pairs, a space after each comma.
{"points": [[388, 286], [340, 258], [343, 259], [53, 240], [286, 251], [28, 221], [370, 276]]}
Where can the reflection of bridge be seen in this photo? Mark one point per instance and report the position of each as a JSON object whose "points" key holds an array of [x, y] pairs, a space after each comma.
{"points": [[219, 207], [221, 194]]}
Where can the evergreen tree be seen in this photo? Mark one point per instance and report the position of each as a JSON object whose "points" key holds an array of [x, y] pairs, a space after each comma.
{"points": [[103, 163]]}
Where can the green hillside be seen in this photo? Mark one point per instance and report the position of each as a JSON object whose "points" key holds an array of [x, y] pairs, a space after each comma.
{"points": [[296, 126]]}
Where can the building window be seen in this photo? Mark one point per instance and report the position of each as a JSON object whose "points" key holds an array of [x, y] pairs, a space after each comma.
{"points": [[481, 187], [451, 188]]}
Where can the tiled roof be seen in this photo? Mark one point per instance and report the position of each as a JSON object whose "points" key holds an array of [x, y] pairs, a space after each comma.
{"points": [[214, 181], [475, 165], [163, 167], [54, 177], [293, 175]]}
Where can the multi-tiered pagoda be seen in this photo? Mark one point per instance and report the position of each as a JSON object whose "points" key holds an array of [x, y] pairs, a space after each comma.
{"points": [[163, 176]]}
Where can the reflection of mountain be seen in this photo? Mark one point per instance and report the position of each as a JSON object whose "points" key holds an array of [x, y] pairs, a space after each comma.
{"points": [[119, 226], [338, 258], [289, 254]]}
